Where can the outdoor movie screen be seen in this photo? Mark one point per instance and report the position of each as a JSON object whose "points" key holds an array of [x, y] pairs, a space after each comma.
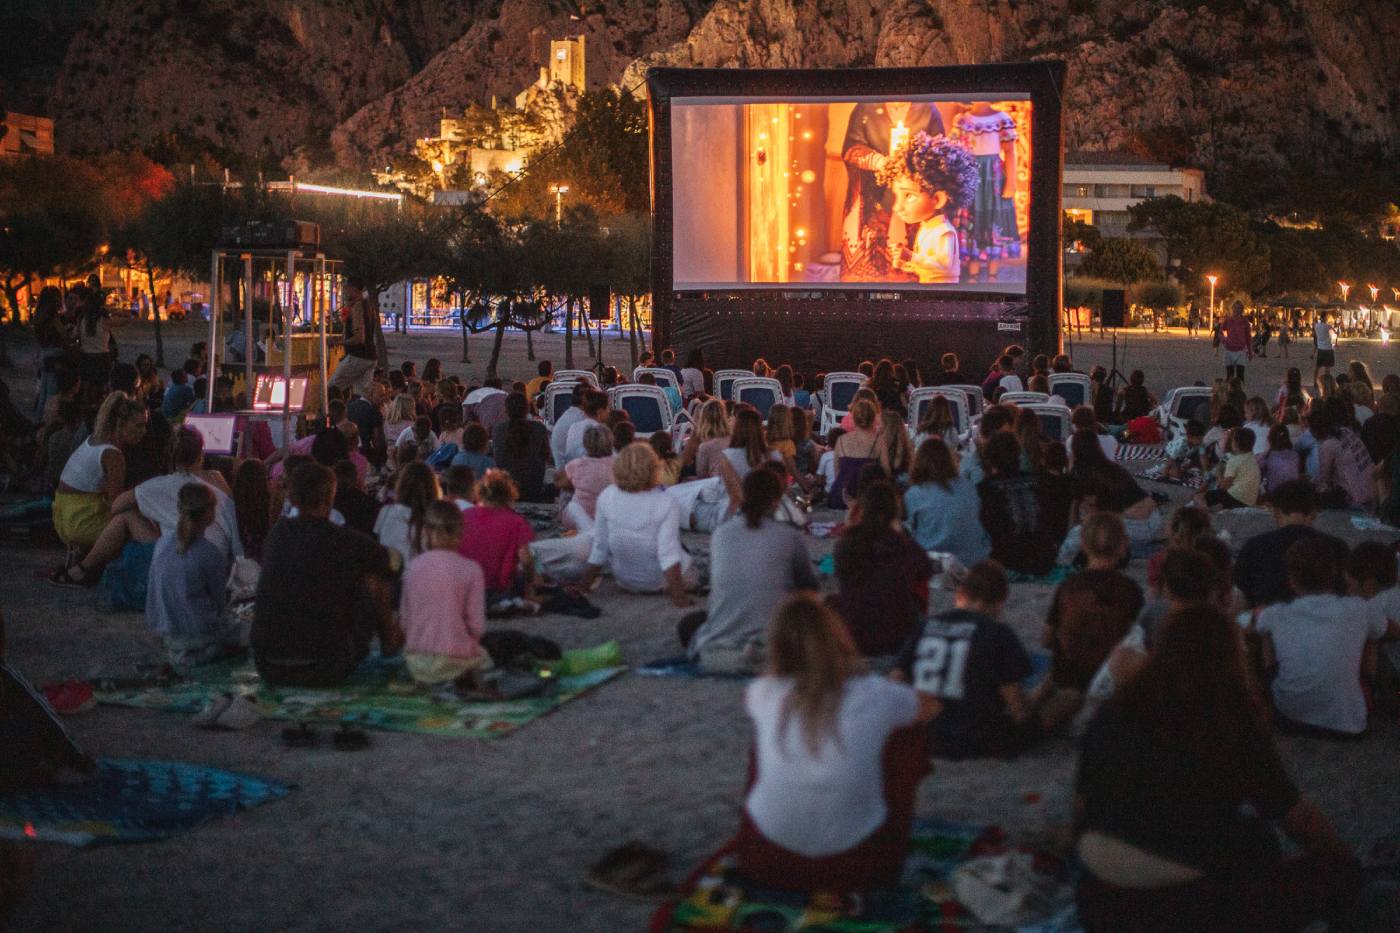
{"points": [[928, 192]]}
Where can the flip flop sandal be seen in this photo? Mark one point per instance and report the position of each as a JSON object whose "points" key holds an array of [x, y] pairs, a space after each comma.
{"points": [[349, 739], [300, 736], [61, 577], [631, 870]]}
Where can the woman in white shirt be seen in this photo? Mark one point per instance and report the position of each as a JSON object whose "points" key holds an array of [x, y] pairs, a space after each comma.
{"points": [[832, 801], [693, 375], [637, 530], [399, 525]]}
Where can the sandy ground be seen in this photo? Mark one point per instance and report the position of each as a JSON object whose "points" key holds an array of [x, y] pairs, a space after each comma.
{"points": [[425, 832]]}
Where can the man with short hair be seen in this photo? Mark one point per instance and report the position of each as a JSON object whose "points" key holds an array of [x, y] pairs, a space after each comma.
{"points": [[1259, 570], [1325, 340], [356, 368], [595, 409], [1237, 341], [559, 435], [323, 592], [536, 385], [951, 374]]}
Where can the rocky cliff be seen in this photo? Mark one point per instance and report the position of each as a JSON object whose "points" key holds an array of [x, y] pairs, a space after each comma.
{"points": [[1243, 87]]}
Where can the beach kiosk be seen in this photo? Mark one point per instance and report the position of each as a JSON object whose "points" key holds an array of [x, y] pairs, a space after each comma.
{"points": [[273, 327]]}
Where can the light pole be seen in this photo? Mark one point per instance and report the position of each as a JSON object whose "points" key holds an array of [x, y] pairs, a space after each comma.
{"points": [[1212, 280], [558, 191], [1346, 290]]}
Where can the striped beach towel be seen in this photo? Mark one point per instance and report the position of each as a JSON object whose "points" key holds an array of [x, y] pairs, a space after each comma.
{"points": [[1141, 452]]}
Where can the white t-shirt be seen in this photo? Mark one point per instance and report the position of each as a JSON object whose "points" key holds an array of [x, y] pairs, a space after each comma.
{"points": [[822, 805], [559, 436], [1261, 436], [406, 435], [826, 468], [158, 498], [573, 444], [1011, 383], [638, 534], [1323, 331], [391, 527], [1318, 641]]}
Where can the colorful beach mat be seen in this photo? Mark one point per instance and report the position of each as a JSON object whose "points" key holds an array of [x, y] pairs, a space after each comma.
{"points": [[132, 801], [379, 696], [717, 898]]}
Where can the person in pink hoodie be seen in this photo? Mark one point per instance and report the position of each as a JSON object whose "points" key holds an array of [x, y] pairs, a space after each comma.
{"points": [[443, 609]]}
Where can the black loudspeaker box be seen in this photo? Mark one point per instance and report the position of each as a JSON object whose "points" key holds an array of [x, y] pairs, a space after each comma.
{"points": [[599, 299], [1112, 313]]}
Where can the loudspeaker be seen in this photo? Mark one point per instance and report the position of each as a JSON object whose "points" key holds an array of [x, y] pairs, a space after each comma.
{"points": [[1112, 311], [599, 301]]}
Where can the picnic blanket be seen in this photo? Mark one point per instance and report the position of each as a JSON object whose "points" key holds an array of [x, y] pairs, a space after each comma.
{"points": [[1191, 479], [132, 800], [380, 695], [1140, 452], [716, 897]]}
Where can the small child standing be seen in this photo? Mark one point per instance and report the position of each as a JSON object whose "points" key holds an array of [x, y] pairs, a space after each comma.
{"points": [[1238, 485], [443, 610], [185, 592], [1280, 464]]}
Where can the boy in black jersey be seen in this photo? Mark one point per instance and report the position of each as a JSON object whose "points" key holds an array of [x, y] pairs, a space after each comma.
{"points": [[973, 665]]}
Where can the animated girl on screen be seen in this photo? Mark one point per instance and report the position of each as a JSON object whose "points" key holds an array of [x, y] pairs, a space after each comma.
{"points": [[931, 178]]}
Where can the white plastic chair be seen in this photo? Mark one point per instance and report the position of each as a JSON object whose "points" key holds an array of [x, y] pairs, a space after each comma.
{"points": [[577, 375], [555, 399], [648, 407], [1075, 388], [664, 377], [975, 399], [761, 392], [1179, 406], [1023, 398], [724, 382], [1054, 420], [835, 396], [920, 398]]}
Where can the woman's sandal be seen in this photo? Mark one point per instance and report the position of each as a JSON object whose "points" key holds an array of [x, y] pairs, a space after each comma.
{"points": [[63, 576]]}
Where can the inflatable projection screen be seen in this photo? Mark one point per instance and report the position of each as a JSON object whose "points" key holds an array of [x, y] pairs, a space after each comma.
{"points": [[823, 217]]}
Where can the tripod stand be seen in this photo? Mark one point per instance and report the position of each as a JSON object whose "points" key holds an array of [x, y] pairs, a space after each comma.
{"points": [[1115, 376]]}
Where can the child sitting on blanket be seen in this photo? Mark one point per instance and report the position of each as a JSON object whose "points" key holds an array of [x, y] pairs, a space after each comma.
{"points": [[1186, 451], [498, 539], [443, 610], [1237, 484], [931, 177], [185, 596]]}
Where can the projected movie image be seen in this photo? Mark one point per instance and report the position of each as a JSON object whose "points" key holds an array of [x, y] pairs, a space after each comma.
{"points": [[929, 192]]}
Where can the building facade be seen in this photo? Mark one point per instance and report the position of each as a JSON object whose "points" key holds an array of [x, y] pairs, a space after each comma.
{"points": [[1100, 187], [23, 134]]}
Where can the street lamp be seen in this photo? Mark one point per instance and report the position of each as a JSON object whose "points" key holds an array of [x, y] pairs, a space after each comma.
{"points": [[1346, 289], [558, 191], [1375, 293], [1212, 279]]}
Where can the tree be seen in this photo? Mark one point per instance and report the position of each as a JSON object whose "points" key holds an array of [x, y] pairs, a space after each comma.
{"points": [[629, 268], [565, 260], [1159, 296], [1121, 259], [1206, 237], [603, 159], [1077, 231]]}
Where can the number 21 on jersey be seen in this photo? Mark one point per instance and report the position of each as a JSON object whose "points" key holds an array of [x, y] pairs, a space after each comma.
{"points": [[941, 665]]}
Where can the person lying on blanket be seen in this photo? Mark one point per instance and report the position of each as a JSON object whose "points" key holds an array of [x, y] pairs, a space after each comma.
{"points": [[323, 592], [973, 665], [838, 757]]}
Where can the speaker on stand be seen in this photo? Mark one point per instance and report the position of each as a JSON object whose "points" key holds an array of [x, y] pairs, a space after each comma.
{"points": [[1113, 315]]}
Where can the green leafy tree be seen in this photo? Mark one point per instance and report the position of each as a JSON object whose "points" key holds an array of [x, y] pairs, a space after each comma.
{"points": [[1077, 231], [1206, 237], [1120, 259], [629, 269], [1159, 296]]}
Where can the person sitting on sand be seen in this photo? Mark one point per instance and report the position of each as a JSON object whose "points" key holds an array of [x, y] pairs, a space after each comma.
{"points": [[1316, 644], [1090, 614], [755, 563], [1164, 773], [835, 768], [941, 508], [323, 592], [882, 572], [443, 608], [637, 530], [185, 597], [498, 539], [587, 476], [1260, 572], [399, 524], [1021, 512], [972, 665]]}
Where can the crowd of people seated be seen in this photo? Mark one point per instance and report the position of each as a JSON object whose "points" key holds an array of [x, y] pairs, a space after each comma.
{"points": [[394, 523]]}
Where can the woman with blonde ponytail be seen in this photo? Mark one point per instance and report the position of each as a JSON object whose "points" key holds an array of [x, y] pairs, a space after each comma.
{"points": [[185, 595], [838, 756]]}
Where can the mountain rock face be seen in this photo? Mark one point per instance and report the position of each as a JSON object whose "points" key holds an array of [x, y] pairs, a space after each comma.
{"points": [[1237, 86]]}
